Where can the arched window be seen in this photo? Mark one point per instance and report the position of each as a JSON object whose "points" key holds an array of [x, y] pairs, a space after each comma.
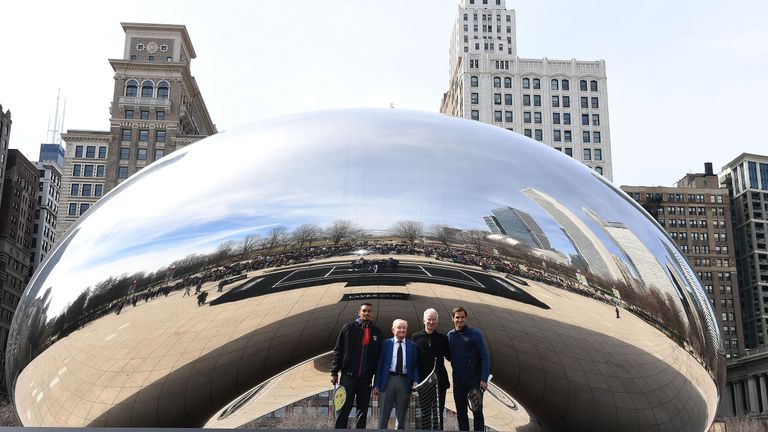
{"points": [[497, 82], [593, 85], [583, 85], [507, 82], [162, 90], [131, 88], [147, 89], [599, 170], [536, 83], [526, 83], [555, 85], [473, 81], [566, 85]]}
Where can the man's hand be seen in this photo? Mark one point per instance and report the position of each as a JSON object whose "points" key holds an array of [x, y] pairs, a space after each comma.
{"points": [[334, 378], [375, 391], [483, 385]]}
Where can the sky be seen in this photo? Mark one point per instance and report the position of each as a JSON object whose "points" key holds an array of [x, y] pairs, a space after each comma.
{"points": [[687, 80]]}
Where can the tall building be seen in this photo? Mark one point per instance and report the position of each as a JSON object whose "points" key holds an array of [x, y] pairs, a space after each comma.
{"points": [[746, 178], [16, 224], [49, 168], [157, 108], [562, 103], [695, 213], [5, 136], [519, 226]]}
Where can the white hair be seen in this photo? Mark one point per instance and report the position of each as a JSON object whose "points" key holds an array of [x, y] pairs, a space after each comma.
{"points": [[430, 312], [397, 321]]}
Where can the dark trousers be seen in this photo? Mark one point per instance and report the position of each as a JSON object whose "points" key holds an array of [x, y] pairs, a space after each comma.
{"points": [[432, 415], [358, 393], [460, 390]]}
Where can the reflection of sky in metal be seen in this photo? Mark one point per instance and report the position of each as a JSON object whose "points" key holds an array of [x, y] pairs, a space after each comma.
{"points": [[373, 167]]}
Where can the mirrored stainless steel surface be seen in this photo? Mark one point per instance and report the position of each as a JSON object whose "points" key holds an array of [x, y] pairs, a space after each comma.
{"points": [[287, 224]]}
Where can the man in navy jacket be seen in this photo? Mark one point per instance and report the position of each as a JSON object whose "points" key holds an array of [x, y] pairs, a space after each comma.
{"points": [[396, 375], [471, 367]]}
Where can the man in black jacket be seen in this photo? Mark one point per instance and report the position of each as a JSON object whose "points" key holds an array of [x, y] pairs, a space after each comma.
{"points": [[356, 356], [432, 349]]}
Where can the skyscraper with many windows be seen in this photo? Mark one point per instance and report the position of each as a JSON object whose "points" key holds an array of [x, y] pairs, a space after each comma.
{"points": [[157, 108], [561, 103]]}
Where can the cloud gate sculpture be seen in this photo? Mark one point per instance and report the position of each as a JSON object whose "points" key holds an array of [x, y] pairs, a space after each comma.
{"points": [[270, 222]]}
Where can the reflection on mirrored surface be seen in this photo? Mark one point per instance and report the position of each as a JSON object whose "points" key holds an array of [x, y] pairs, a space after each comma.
{"points": [[229, 262]]}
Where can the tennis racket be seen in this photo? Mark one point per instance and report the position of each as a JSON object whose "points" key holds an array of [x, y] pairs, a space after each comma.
{"points": [[339, 397], [475, 397]]}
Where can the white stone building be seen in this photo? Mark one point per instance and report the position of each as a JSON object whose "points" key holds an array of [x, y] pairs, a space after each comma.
{"points": [[48, 194], [562, 103]]}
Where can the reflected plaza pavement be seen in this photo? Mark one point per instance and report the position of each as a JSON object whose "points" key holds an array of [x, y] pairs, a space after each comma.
{"points": [[407, 210]]}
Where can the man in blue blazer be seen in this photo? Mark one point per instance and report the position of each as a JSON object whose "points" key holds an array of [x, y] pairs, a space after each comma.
{"points": [[396, 375]]}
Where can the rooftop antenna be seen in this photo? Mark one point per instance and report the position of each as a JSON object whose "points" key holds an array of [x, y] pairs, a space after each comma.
{"points": [[55, 120], [63, 115]]}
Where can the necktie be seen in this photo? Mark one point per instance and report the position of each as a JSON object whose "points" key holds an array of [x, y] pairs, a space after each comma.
{"points": [[399, 364]]}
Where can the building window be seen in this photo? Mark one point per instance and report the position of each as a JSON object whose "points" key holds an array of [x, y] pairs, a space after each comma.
{"points": [[76, 170], [583, 85], [79, 151], [593, 85], [131, 88], [598, 154], [566, 101], [567, 136], [159, 153], [129, 114], [567, 118], [102, 152], [122, 172], [556, 118], [585, 136], [98, 190], [585, 119], [144, 135], [74, 189], [528, 133], [595, 119], [596, 137], [475, 115], [162, 90], [160, 136], [584, 102], [84, 207], [87, 190], [527, 117], [508, 116], [126, 135], [555, 101], [497, 98], [507, 82], [536, 100], [599, 170], [125, 153], [144, 115], [556, 135], [474, 98], [537, 117], [595, 103], [536, 84], [566, 85], [554, 85], [160, 115], [72, 209], [539, 135], [88, 170], [473, 81], [587, 154], [90, 152], [141, 154], [526, 83], [507, 99], [497, 82], [526, 100], [497, 116], [99, 170], [569, 151], [147, 89]]}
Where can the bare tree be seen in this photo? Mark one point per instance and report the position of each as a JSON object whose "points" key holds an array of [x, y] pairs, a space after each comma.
{"points": [[225, 250], [8, 417], [248, 245], [444, 234], [743, 424], [306, 233], [277, 236], [342, 229], [475, 239], [409, 230]]}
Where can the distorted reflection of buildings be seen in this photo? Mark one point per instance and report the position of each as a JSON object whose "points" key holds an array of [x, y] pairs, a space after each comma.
{"points": [[519, 226]]}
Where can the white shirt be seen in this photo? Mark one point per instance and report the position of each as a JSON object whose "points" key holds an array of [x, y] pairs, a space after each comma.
{"points": [[393, 364]]}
